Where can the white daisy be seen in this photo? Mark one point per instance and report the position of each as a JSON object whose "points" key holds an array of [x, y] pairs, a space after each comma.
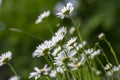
{"points": [[65, 10], [108, 66], [57, 39], [115, 68], [101, 36], [59, 70], [43, 49], [95, 53], [38, 72], [56, 51], [98, 72], [61, 31], [81, 45], [72, 47], [72, 30], [53, 73], [71, 41], [59, 35], [109, 73], [77, 65], [42, 16], [4, 58], [64, 57], [89, 51], [14, 78]]}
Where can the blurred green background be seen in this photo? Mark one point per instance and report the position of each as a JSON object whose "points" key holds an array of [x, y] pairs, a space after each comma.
{"points": [[94, 16]]}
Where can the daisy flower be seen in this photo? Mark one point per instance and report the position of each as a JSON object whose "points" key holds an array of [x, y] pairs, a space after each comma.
{"points": [[77, 65], [66, 10], [73, 47], [101, 36], [38, 72], [115, 68], [89, 51], [71, 41], [56, 51], [109, 73], [59, 70], [81, 45], [53, 73], [61, 31], [57, 39], [59, 35], [14, 78], [64, 57], [108, 66], [95, 53], [43, 49], [4, 58], [42, 16], [72, 30]]}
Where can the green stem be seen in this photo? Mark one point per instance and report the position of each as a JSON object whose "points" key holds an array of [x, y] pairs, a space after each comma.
{"points": [[51, 30], [13, 70], [48, 61], [73, 76], [26, 33], [76, 28], [79, 73], [51, 59], [47, 78], [113, 52], [103, 54]]}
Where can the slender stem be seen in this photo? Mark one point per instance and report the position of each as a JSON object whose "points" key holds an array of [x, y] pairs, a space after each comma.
{"points": [[51, 59], [26, 33], [73, 76], [113, 52], [46, 58], [13, 70], [80, 37], [64, 77], [47, 78], [103, 54], [76, 28], [79, 73], [52, 32]]}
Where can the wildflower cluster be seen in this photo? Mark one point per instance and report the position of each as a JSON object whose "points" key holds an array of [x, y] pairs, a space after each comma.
{"points": [[68, 58], [110, 69], [65, 57]]}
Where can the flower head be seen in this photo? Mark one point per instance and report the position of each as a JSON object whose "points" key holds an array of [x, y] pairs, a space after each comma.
{"points": [[72, 30], [43, 49], [59, 35], [101, 36], [42, 16], [4, 58], [95, 53], [14, 78], [61, 31], [64, 57], [108, 66], [38, 72], [71, 41], [59, 70], [81, 45], [77, 65], [66, 10], [56, 51]]}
